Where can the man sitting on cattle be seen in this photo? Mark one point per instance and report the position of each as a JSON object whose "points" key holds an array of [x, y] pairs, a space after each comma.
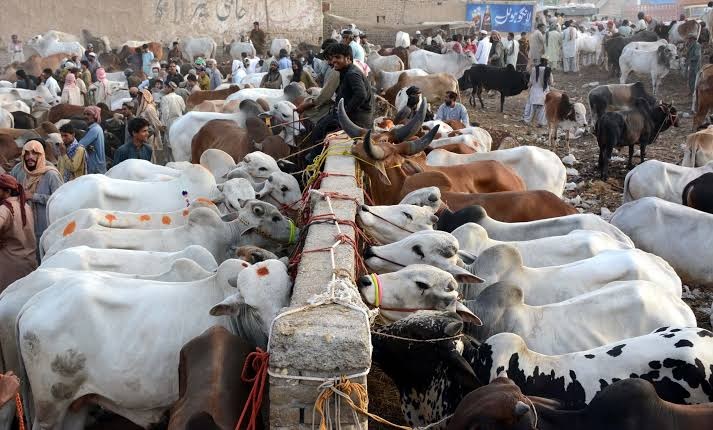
{"points": [[72, 161], [354, 89], [40, 179], [138, 148], [17, 235], [451, 110]]}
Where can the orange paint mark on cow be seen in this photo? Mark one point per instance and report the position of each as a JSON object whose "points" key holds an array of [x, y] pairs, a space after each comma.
{"points": [[166, 220], [109, 217], [69, 229], [263, 271], [185, 212], [205, 201], [145, 218]]}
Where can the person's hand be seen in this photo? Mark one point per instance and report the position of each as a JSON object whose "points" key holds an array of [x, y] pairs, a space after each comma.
{"points": [[9, 384], [62, 149], [300, 108]]}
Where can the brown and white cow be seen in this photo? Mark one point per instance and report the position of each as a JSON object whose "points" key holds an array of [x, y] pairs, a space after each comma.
{"points": [[698, 149], [703, 95], [560, 111], [199, 97], [227, 136], [433, 86]]}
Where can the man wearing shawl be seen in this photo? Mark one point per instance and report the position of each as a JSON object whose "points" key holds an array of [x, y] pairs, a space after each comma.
{"points": [[273, 78], [216, 78], [71, 93], [72, 161], [147, 110], [102, 92], [39, 179], [497, 50], [93, 141], [18, 245]]}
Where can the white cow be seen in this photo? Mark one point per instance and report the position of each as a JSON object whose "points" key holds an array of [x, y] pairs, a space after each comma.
{"points": [[6, 119], [89, 217], [477, 143], [655, 178], [386, 80], [98, 191], [386, 63], [589, 48], [518, 231], [675, 232], [541, 169], [186, 127], [698, 149], [453, 63], [653, 58], [257, 223], [391, 223], [16, 106], [49, 44], [282, 190], [142, 170], [130, 376], [620, 310], [583, 374], [255, 166], [237, 48], [125, 261], [403, 40], [552, 284], [278, 44], [203, 46], [546, 251]]}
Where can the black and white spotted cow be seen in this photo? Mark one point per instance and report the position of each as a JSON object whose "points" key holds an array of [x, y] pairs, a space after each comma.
{"points": [[433, 382], [677, 361]]}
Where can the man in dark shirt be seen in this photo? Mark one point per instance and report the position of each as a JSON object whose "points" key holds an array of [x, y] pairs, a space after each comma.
{"points": [[354, 88], [138, 148], [174, 75]]}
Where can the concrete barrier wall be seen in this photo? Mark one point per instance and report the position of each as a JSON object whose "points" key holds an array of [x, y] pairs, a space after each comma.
{"points": [[163, 20], [326, 341]]}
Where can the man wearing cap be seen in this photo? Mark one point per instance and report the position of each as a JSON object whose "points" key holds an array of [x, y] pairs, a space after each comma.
{"points": [[419, 38], [90, 48], [93, 65], [257, 36], [14, 48], [482, 54]]}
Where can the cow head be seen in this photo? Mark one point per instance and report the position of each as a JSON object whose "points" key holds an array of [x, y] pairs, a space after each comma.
{"points": [[435, 248], [261, 224], [499, 404], [286, 119], [580, 114], [666, 54], [413, 288], [234, 193], [390, 223], [256, 298], [256, 165], [282, 190], [390, 147], [432, 384], [427, 197]]}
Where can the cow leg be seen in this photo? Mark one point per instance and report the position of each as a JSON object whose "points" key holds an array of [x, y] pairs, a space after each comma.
{"points": [[642, 152], [553, 130], [630, 164], [502, 102], [480, 97], [567, 142]]}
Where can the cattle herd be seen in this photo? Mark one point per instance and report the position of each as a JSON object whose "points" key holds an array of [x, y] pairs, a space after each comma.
{"points": [[501, 306]]}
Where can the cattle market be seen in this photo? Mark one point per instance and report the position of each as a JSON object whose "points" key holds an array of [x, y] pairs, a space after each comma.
{"points": [[385, 215]]}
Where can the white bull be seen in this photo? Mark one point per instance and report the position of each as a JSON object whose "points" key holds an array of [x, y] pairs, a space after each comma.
{"points": [[46, 45], [656, 178], [553, 284], [390, 223], [16, 106], [677, 233], [476, 141], [90, 217], [546, 251], [653, 58], [540, 168], [589, 47], [142, 170], [518, 231], [6, 119], [237, 48], [130, 376], [385, 80], [194, 47], [385, 63], [452, 63], [279, 44], [98, 191]]}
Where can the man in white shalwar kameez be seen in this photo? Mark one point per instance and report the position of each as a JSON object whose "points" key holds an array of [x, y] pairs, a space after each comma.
{"points": [[553, 47], [569, 47], [172, 107], [540, 83], [482, 53], [512, 49]]}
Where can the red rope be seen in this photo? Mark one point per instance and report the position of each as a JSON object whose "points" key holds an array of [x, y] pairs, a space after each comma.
{"points": [[258, 361], [20, 412]]}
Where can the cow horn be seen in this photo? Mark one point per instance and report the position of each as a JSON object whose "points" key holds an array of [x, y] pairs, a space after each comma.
{"points": [[373, 151], [414, 125], [415, 146], [521, 409], [352, 130]]}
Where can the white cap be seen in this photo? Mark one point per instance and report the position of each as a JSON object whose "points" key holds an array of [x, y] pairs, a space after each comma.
{"points": [[418, 32], [483, 32]]}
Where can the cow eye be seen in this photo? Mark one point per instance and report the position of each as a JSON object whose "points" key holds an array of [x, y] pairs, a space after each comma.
{"points": [[259, 211], [276, 219], [408, 216], [269, 179], [263, 168], [422, 285], [418, 251], [283, 188]]}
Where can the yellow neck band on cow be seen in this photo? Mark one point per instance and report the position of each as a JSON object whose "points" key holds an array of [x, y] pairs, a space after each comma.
{"points": [[293, 232], [377, 289]]}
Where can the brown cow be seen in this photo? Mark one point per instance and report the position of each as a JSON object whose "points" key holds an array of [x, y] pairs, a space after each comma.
{"points": [[698, 149], [505, 206], [199, 97], [703, 95], [559, 109], [211, 392], [400, 52], [388, 164], [629, 404], [433, 87], [110, 61], [66, 111], [33, 66], [238, 142]]}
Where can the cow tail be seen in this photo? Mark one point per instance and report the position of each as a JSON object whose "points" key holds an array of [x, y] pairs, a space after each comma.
{"points": [[25, 389], [627, 193], [684, 194]]}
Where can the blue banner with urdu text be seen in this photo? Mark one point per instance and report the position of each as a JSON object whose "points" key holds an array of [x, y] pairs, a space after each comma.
{"points": [[503, 17]]}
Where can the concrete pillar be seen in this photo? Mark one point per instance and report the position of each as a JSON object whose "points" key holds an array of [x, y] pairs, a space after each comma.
{"points": [[330, 340]]}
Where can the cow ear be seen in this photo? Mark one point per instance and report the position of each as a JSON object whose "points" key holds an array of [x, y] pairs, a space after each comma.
{"points": [[463, 276], [383, 177], [229, 306], [467, 314], [467, 257]]}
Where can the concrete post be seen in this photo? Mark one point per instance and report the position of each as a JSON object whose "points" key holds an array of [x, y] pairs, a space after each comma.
{"points": [[327, 341]]}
